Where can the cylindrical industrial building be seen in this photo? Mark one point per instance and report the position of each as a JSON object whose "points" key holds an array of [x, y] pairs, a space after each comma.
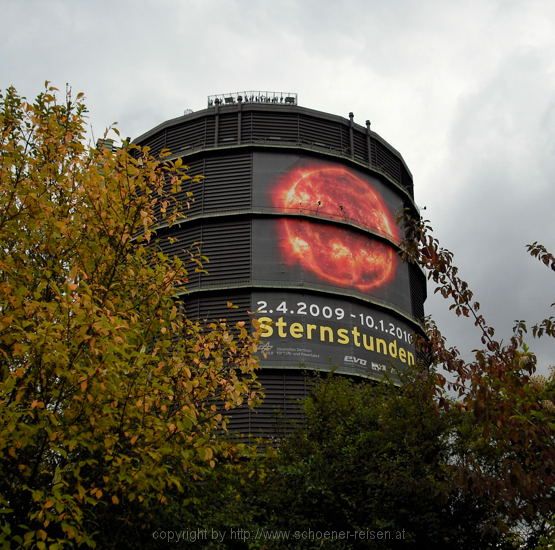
{"points": [[297, 214]]}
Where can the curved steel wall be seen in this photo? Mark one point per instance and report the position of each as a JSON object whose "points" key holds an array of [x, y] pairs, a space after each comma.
{"points": [[296, 213]]}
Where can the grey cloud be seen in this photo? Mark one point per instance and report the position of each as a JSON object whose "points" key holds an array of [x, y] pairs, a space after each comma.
{"points": [[501, 167]]}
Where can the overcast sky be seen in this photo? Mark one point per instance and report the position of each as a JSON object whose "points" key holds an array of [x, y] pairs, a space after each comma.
{"points": [[465, 90]]}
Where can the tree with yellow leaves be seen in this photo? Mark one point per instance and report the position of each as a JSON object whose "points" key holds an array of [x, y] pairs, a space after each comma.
{"points": [[107, 391]]}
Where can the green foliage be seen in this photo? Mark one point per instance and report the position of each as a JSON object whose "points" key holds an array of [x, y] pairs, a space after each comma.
{"points": [[372, 458], [107, 392]]}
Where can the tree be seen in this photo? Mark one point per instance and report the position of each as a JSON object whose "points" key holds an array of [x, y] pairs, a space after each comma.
{"points": [[504, 439], [108, 394], [371, 458]]}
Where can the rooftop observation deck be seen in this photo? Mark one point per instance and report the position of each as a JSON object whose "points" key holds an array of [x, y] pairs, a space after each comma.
{"points": [[274, 119]]}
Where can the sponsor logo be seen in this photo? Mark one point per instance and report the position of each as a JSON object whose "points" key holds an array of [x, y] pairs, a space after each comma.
{"points": [[265, 348], [378, 366], [352, 360]]}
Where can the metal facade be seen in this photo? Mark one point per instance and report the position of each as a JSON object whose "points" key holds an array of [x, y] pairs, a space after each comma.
{"points": [[223, 143]]}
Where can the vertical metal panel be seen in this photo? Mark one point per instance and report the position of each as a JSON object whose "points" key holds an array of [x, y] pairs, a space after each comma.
{"points": [[314, 131], [373, 153], [387, 162], [417, 291], [191, 134], [275, 127], [217, 126], [239, 123], [247, 127], [210, 131], [228, 248], [281, 411], [228, 129], [361, 147], [227, 183], [351, 137], [344, 147]]}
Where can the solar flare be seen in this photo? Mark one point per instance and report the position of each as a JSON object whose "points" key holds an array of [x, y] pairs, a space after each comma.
{"points": [[336, 255]]}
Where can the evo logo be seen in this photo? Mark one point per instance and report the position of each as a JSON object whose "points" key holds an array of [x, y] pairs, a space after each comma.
{"points": [[351, 359]]}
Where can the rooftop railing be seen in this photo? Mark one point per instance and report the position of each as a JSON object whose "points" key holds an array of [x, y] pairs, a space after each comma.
{"points": [[252, 96]]}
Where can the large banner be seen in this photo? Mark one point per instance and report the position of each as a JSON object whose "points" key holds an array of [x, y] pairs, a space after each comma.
{"points": [[330, 248], [320, 332]]}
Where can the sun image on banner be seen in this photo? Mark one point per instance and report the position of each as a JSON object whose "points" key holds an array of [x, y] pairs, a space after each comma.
{"points": [[335, 254], [323, 252]]}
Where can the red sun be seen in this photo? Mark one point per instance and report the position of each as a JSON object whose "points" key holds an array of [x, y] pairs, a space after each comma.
{"points": [[334, 254]]}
